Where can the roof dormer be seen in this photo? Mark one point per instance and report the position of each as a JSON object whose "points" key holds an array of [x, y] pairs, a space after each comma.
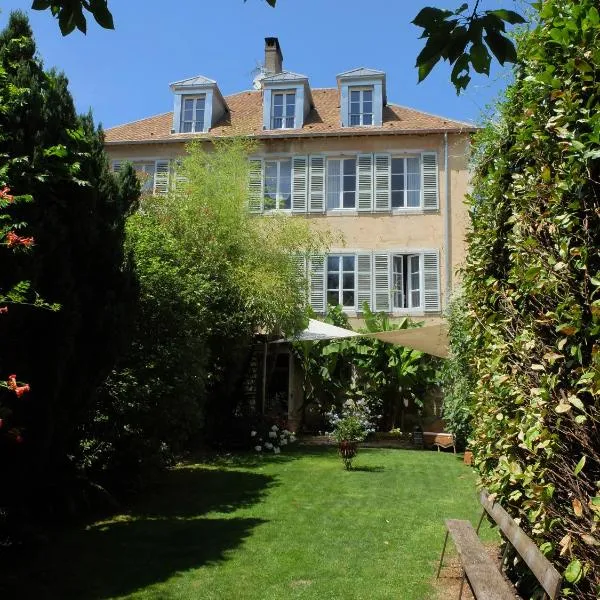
{"points": [[286, 96], [362, 97], [286, 100], [197, 105]]}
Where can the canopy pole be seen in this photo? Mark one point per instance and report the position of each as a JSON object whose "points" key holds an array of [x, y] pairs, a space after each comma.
{"points": [[264, 378]]}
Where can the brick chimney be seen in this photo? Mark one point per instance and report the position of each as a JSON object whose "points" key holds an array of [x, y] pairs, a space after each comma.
{"points": [[273, 56]]}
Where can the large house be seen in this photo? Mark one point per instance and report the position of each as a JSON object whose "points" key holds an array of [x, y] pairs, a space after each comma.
{"points": [[390, 179]]}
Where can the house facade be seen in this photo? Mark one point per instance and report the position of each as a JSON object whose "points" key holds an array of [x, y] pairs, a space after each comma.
{"points": [[390, 179]]}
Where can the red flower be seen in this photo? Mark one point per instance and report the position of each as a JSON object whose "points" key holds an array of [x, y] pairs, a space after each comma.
{"points": [[12, 382], [5, 195], [19, 391], [19, 438], [12, 239], [3, 309], [1, 423]]}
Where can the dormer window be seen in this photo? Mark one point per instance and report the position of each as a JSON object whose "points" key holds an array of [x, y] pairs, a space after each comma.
{"points": [[361, 106], [284, 109], [192, 114]]}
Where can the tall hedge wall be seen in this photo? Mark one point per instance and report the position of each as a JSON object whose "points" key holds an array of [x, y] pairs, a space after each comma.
{"points": [[532, 286]]}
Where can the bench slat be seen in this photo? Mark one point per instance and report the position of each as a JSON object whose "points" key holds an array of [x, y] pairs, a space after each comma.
{"points": [[549, 578], [487, 583], [485, 578]]}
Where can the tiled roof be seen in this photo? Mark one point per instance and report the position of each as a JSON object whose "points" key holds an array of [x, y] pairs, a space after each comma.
{"points": [[245, 118]]}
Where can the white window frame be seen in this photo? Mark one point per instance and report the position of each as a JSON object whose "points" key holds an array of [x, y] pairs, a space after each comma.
{"points": [[340, 273], [285, 116], [278, 198], [361, 89], [407, 276], [341, 176], [195, 100], [405, 207]]}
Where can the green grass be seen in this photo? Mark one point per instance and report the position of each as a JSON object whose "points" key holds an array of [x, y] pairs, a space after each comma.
{"points": [[292, 526]]}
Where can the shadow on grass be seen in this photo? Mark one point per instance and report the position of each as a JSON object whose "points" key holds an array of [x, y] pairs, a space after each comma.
{"points": [[368, 469], [166, 532]]}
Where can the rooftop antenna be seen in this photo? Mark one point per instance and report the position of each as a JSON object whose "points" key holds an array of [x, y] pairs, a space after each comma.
{"points": [[259, 72]]}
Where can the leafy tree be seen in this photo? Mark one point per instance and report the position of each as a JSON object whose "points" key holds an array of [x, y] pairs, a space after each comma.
{"points": [[211, 275], [532, 289], [76, 217], [463, 37]]}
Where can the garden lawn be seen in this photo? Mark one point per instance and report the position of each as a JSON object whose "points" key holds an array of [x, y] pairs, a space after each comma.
{"points": [[269, 528]]}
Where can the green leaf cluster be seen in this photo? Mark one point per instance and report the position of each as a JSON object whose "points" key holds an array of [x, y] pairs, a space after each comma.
{"points": [[465, 40]]}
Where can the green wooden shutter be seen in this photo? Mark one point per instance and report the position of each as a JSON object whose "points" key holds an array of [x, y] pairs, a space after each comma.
{"points": [[316, 201], [317, 283], [255, 186], [364, 280], [431, 281], [381, 269], [299, 183], [161, 176], [365, 182], [383, 176], [429, 180]]}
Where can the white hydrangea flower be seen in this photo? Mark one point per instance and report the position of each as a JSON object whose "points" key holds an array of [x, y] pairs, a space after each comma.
{"points": [[258, 448], [283, 442], [272, 434], [292, 438], [276, 450], [252, 433], [268, 445], [274, 428]]}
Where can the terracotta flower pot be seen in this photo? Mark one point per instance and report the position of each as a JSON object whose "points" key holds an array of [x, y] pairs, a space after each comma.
{"points": [[468, 458]]}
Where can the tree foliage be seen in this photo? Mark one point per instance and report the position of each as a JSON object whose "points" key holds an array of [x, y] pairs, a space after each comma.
{"points": [[532, 287], [76, 215], [211, 275], [465, 39]]}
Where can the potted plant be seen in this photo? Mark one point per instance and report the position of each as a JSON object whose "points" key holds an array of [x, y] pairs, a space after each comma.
{"points": [[348, 432]]}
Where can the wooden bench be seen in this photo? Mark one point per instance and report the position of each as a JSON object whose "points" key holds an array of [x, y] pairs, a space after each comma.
{"points": [[486, 581]]}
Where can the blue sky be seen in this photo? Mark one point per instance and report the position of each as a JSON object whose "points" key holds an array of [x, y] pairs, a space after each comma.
{"points": [[123, 75]]}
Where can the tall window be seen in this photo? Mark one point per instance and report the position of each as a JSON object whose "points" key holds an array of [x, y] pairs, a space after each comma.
{"points": [[406, 182], [361, 106], [192, 114], [341, 183], [283, 109], [145, 173], [406, 281], [341, 280], [278, 184]]}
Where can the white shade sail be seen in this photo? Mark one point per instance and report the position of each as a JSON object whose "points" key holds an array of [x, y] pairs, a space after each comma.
{"points": [[431, 339]]}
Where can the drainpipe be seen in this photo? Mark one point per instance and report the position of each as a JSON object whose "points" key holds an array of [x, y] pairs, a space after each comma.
{"points": [[447, 227]]}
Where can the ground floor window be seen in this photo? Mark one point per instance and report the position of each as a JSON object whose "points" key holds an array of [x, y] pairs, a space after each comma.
{"points": [[406, 281], [341, 280]]}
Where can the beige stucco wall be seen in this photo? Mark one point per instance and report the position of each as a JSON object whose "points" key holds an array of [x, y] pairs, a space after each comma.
{"points": [[402, 231]]}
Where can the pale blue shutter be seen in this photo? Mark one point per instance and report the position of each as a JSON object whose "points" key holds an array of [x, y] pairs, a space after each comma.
{"points": [[383, 166], [161, 177], [316, 202], [365, 182], [431, 281], [255, 186], [429, 180], [317, 283], [364, 280], [299, 183], [381, 287], [116, 166]]}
